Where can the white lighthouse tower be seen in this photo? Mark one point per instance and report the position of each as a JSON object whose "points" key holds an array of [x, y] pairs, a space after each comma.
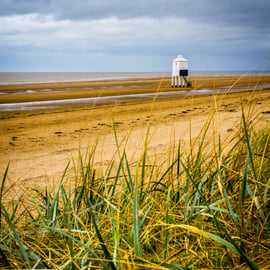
{"points": [[180, 72]]}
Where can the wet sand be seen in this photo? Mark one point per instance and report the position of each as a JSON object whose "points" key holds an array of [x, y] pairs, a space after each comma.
{"points": [[38, 144], [74, 90]]}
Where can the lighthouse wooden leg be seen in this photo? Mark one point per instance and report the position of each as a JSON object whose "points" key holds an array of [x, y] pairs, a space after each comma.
{"points": [[175, 81], [172, 81]]}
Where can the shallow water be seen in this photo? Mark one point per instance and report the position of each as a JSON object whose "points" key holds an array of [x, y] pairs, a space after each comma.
{"points": [[37, 91], [50, 104]]}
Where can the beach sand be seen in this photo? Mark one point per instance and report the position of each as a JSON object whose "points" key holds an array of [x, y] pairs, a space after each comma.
{"points": [[37, 145]]}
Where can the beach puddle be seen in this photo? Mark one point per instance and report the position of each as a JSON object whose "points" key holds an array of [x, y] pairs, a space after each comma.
{"points": [[51, 104], [38, 91]]}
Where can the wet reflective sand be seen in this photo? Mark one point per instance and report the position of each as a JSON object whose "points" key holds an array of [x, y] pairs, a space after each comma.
{"points": [[50, 104], [40, 96]]}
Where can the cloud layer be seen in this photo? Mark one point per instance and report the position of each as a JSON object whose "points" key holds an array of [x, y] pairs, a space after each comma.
{"points": [[244, 12], [213, 34]]}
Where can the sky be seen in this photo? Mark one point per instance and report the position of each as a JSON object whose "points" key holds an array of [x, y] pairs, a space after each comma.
{"points": [[133, 36]]}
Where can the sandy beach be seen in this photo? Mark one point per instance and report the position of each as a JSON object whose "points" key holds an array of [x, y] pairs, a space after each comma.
{"points": [[38, 144]]}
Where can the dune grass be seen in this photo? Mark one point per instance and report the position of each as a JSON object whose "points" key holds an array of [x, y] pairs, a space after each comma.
{"points": [[203, 207]]}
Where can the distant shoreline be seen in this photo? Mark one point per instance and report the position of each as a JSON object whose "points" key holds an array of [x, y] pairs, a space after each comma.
{"points": [[21, 78]]}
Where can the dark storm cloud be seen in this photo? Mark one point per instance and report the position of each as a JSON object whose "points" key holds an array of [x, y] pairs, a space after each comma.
{"points": [[15, 7], [244, 13]]}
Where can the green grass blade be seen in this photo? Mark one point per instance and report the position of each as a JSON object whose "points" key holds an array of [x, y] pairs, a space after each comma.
{"points": [[197, 197], [103, 245], [266, 191], [78, 198], [218, 224], [115, 136], [12, 216], [250, 154], [175, 267], [117, 176], [178, 160], [156, 183], [145, 216], [45, 222], [221, 241], [55, 202], [244, 180], [75, 239], [186, 200], [136, 228], [227, 199], [144, 159], [1, 192], [17, 238], [165, 248], [70, 242], [224, 242], [129, 184]]}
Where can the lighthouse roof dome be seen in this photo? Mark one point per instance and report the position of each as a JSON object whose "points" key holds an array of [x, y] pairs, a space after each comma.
{"points": [[180, 58]]}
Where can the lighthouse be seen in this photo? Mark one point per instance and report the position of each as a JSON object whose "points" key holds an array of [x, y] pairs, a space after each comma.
{"points": [[180, 72]]}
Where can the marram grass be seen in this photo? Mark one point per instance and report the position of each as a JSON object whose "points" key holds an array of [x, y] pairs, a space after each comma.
{"points": [[207, 209]]}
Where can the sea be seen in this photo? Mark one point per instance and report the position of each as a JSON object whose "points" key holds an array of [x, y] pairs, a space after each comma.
{"points": [[7, 78]]}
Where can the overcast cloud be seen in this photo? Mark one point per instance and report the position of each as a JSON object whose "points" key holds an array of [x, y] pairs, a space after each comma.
{"points": [[141, 35]]}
